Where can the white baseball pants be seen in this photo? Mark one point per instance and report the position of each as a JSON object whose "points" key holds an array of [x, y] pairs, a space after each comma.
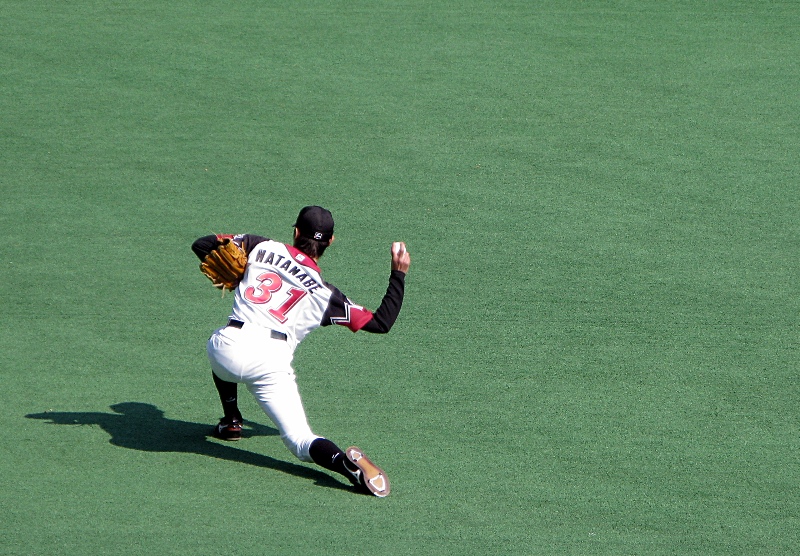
{"points": [[263, 364]]}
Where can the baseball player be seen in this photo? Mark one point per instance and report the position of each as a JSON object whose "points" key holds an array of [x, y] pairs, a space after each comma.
{"points": [[280, 298]]}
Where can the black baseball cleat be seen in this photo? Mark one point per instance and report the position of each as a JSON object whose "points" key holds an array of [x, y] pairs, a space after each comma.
{"points": [[228, 429], [366, 476]]}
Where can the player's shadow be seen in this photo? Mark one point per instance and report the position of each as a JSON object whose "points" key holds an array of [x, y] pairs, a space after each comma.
{"points": [[142, 426]]}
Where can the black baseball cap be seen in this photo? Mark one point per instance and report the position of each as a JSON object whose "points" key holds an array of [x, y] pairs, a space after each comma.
{"points": [[315, 223]]}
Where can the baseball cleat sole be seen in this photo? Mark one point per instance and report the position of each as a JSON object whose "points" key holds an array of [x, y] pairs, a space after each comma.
{"points": [[372, 476]]}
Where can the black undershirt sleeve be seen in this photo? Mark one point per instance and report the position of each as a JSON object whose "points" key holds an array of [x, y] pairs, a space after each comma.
{"points": [[383, 319], [204, 245]]}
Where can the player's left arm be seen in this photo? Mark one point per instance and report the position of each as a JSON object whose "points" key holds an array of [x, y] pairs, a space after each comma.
{"points": [[206, 244]]}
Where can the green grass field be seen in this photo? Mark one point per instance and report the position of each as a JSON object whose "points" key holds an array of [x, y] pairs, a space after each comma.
{"points": [[598, 352]]}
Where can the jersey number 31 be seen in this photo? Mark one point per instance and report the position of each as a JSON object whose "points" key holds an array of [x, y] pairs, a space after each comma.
{"points": [[268, 284]]}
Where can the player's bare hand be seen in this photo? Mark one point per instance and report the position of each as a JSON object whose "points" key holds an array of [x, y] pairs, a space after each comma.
{"points": [[401, 260]]}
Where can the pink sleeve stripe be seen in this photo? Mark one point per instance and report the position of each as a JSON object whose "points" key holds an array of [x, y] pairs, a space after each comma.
{"points": [[359, 317]]}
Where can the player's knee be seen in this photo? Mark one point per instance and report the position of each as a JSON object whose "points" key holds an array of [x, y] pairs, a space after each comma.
{"points": [[299, 445]]}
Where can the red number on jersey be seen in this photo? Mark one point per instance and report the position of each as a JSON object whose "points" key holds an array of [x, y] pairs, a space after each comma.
{"points": [[295, 295], [269, 283]]}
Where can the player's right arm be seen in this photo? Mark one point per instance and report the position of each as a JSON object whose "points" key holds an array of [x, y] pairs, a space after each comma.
{"points": [[401, 260], [342, 311], [384, 317]]}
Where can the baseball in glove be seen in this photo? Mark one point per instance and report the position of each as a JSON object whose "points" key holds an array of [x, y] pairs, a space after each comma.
{"points": [[225, 265]]}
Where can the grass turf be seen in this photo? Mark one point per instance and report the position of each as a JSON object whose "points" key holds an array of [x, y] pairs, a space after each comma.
{"points": [[598, 352]]}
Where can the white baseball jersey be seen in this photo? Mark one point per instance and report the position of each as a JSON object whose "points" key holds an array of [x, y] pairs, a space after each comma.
{"points": [[282, 290]]}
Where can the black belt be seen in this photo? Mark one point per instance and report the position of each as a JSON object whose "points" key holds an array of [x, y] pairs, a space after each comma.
{"points": [[274, 334]]}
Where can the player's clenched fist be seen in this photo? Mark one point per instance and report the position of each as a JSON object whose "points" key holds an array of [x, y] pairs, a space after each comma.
{"points": [[401, 260]]}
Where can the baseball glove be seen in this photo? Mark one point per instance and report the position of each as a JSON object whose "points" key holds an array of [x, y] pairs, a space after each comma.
{"points": [[225, 265]]}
